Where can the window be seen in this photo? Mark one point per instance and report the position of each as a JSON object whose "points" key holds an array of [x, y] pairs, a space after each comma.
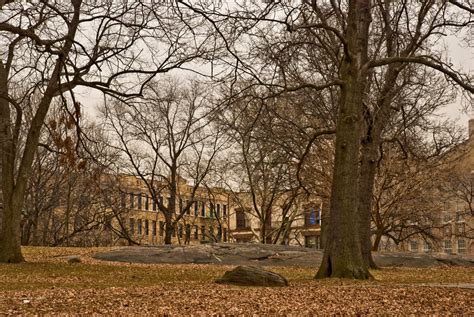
{"points": [[218, 210], [188, 211], [154, 205], [312, 217], [196, 232], [311, 241], [146, 227], [203, 209], [240, 219], [447, 230], [139, 201], [132, 226], [122, 200], [147, 203], [427, 247], [414, 246], [153, 228], [211, 210], [173, 231], [224, 210], [139, 229], [162, 228], [447, 246], [225, 234], [461, 246], [196, 208], [132, 200], [180, 231], [203, 232], [460, 228]]}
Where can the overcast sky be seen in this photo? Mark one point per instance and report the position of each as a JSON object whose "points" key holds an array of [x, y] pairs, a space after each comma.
{"points": [[461, 56]]}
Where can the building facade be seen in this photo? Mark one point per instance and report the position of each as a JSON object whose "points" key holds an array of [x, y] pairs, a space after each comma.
{"points": [[141, 221], [299, 225], [454, 232], [214, 216]]}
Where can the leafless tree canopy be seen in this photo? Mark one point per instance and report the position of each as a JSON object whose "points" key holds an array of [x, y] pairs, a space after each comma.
{"points": [[310, 96]]}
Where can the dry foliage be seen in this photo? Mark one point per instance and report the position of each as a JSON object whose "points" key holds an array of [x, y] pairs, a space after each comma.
{"points": [[48, 284]]}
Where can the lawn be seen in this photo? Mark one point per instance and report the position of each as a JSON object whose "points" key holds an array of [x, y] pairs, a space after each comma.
{"points": [[47, 283]]}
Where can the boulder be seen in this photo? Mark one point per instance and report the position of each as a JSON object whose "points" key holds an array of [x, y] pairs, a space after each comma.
{"points": [[252, 276], [74, 259]]}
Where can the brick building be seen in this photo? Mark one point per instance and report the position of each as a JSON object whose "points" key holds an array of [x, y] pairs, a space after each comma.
{"points": [[455, 229], [206, 220]]}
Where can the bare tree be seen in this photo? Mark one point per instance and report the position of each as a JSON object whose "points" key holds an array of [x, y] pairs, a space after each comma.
{"points": [[263, 164], [51, 47], [366, 40], [167, 140], [403, 204], [63, 199], [457, 186]]}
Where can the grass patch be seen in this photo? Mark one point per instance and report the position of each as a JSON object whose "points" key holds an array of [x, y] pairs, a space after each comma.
{"points": [[27, 276], [47, 268]]}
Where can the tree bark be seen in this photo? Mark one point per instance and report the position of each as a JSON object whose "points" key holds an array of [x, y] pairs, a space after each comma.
{"points": [[325, 210], [343, 254], [168, 229], [374, 127], [10, 245], [366, 186], [10, 234], [13, 188], [378, 238]]}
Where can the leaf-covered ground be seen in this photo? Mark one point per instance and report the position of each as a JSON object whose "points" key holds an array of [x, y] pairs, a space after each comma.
{"points": [[47, 283]]}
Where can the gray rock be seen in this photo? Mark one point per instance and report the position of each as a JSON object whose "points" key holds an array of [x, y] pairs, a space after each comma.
{"points": [[266, 255], [74, 259], [252, 276], [256, 254]]}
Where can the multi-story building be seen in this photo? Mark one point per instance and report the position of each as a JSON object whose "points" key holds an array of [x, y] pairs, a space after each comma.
{"points": [[214, 216], [454, 232], [206, 220], [298, 225]]}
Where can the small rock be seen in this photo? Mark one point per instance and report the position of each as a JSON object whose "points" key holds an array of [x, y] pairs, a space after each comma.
{"points": [[74, 259], [252, 276]]}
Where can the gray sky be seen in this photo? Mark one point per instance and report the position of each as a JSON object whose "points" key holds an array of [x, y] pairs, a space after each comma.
{"points": [[460, 55]]}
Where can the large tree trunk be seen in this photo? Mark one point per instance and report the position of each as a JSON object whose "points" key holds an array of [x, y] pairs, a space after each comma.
{"points": [[325, 209], [14, 180], [10, 231], [343, 253], [374, 127], [366, 186], [10, 244]]}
